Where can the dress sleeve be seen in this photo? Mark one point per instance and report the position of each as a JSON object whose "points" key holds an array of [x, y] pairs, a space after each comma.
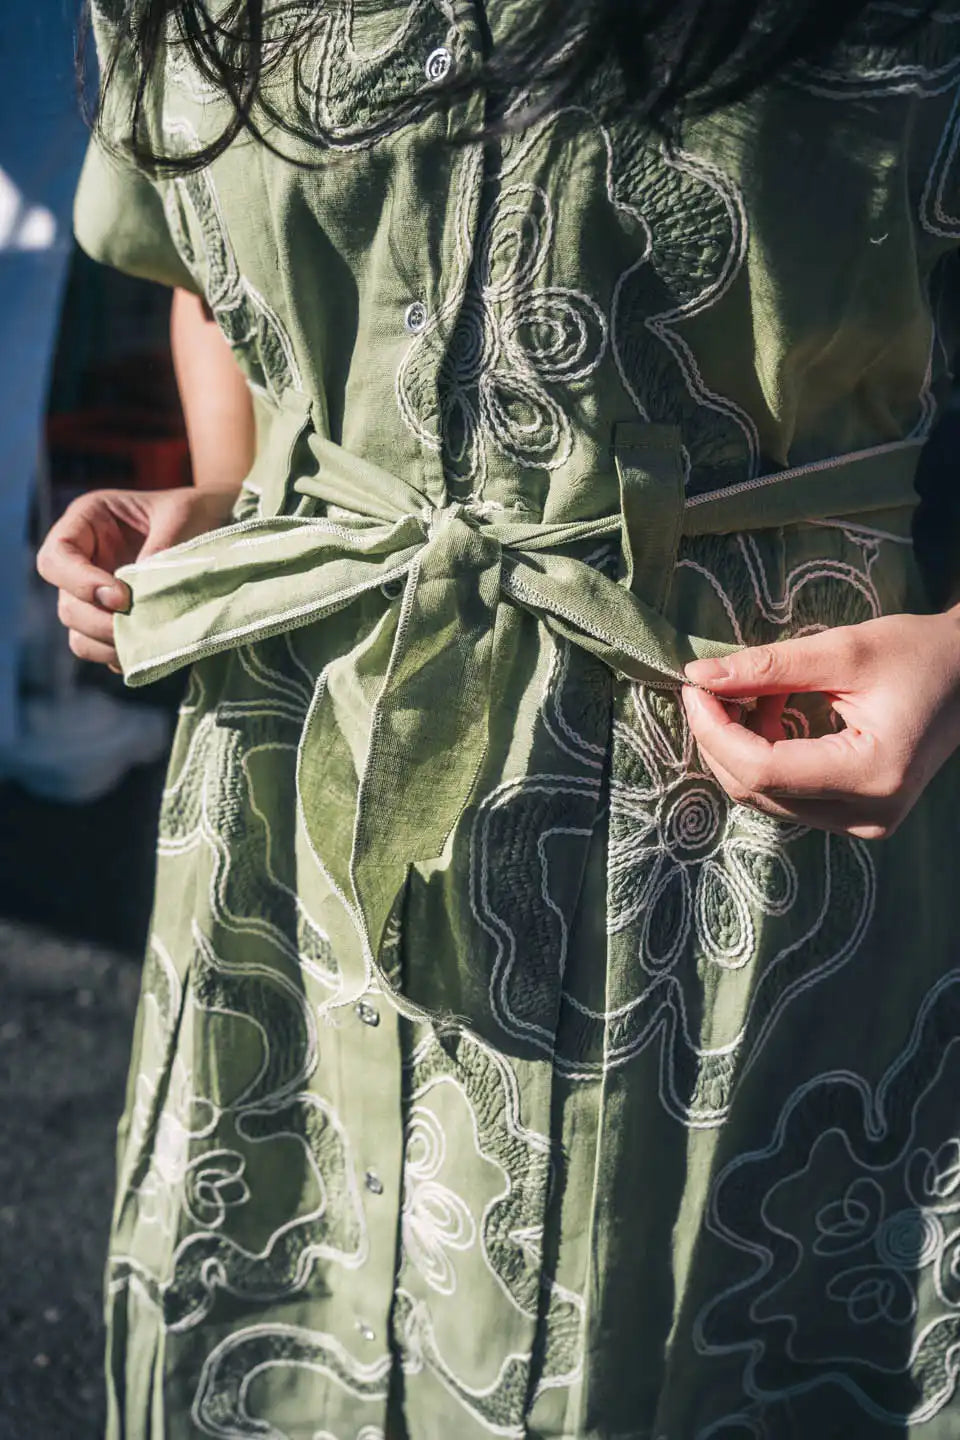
{"points": [[119, 220], [118, 215]]}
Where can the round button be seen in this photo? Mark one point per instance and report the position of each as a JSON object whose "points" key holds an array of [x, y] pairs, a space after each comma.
{"points": [[392, 589], [373, 1182], [367, 1013], [365, 1330], [415, 318], [438, 64]]}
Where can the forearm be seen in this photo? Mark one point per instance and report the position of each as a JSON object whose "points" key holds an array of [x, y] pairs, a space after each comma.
{"points": [[217, 406]]}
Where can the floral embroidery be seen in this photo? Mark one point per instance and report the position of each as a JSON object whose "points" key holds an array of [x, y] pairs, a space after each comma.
{"points": [[684, 861], [435, 1219], [692, 235], [186, 1117], [691, 879], [517, 346]]}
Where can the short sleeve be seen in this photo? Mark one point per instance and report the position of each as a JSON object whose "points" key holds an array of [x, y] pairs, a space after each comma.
{"points": [[119, 219], [119, 216]]}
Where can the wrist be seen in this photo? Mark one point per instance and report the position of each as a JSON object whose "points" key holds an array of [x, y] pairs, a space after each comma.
{"points": [[218, 497], [226, 486], [949, 620]]}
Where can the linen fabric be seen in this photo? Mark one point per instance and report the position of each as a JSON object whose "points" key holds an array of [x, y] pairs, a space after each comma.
{"points": [[494, 1073]]}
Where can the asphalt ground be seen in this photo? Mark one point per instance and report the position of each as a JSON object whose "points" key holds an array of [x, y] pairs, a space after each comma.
{"points": [[66, 1016], [76, 886]]}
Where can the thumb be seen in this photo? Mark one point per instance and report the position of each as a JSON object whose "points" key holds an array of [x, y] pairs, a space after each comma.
{"points": [[819, 663]]}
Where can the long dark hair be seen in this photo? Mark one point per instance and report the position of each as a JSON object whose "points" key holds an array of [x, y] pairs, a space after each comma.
{"points": [[667, 57]]}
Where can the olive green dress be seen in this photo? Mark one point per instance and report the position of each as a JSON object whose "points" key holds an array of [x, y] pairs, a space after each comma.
{"points": [[495, 1075]]}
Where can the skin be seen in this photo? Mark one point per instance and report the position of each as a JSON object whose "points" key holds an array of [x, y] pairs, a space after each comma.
{"points": [[105, 529], [895, 682]]}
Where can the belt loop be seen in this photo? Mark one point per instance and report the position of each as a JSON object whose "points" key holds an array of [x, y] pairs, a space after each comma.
{"points": [[649, 461], [279, 430]]}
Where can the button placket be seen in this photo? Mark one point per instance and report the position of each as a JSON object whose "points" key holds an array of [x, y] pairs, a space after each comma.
{"points": [[454, 194], [369, 1095]]}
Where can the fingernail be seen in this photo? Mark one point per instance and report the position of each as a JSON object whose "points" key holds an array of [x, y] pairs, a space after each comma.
{"points": [[110, 597], [702, 672]]}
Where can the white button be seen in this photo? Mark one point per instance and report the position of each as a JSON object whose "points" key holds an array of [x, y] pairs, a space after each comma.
{"points": [[415, 318], [367, 1013], [438, 64], [365, 1331], [373, 1182]]}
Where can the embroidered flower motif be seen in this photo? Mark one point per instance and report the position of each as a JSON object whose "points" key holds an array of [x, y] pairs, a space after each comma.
{"points": [[902, 1243], [503, 349], [699, 892], [214, 1185], [684, 860], [435, 1219]]}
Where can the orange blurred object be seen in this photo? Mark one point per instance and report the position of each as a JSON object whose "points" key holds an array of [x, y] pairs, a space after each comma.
{"points": [[141, 450]]}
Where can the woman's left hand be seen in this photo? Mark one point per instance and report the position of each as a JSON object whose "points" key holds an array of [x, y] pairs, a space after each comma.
{"points": [[895, 682]]}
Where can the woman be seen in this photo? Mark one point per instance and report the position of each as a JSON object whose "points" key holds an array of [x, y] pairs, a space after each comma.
{"points": [[533, 1044]]}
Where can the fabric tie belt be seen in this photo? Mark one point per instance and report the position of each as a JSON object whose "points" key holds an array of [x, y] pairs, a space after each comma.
{"points": [[430, 658]]}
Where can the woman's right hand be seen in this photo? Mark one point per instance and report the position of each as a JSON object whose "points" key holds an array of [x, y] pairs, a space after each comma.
{"points": [[105, 529]]}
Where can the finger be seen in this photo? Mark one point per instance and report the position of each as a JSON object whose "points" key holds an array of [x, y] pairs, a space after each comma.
{"points": [[836, 817], [64, 561], [89, 620], [94, 650], [775, 808], [766, 720], [829, 661], [830, 767]]}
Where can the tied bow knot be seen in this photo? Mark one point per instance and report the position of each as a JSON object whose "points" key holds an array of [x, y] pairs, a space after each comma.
{"points": [[434, 517], [470, 571], [397, 733]]}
